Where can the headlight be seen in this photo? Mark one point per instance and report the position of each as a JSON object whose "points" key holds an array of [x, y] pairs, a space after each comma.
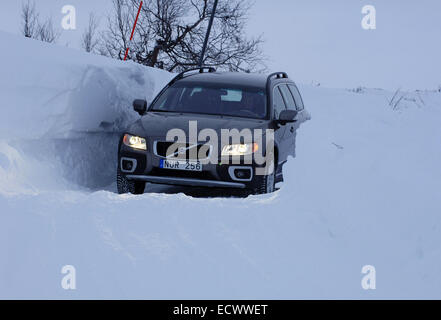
{"points": [[134, 142], [239, 149]]}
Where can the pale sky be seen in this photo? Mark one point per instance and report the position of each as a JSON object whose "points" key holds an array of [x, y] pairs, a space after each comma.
{"points": [[315, 40]]}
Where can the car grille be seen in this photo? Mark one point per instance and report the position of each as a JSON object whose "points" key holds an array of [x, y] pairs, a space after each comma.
{"points": [[162, 150]]}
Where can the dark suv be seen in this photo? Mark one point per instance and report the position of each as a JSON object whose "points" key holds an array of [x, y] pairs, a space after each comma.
{"points": [[196, 132]]}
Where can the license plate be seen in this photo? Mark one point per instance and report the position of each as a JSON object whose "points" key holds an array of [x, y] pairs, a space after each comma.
{"points": [[180, 165]]}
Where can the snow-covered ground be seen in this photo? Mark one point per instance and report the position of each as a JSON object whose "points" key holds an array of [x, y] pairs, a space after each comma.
{"points": [[364, 189]]}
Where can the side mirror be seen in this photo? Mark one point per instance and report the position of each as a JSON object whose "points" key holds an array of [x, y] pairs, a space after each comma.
{"points": [[140, 106], [287, 116]]}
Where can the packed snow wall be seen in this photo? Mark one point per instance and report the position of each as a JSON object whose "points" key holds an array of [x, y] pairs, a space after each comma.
{"points": [[62, 113]]}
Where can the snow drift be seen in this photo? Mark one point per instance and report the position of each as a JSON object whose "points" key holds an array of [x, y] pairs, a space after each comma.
{"points": [[66, 109], [363, 189]]}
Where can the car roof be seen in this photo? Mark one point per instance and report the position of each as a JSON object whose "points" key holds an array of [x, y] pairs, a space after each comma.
{"points": [[232, 78]]}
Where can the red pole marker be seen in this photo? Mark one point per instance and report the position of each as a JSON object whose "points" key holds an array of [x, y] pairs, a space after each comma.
{"points": [[133, 30]]}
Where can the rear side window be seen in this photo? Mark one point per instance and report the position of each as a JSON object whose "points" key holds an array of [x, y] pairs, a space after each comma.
{"points": [[297, 96], [290, 104], [278, 103]]}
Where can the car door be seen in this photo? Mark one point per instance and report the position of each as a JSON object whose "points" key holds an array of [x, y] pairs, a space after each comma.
{"points": [[291, 128], [280, 134]]}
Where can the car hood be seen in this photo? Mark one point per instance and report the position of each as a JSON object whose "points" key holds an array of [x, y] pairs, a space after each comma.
{"points": [[157, 124]]}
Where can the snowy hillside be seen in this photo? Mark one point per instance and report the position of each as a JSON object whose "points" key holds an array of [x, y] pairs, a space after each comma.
{"points": [[363, 190]]}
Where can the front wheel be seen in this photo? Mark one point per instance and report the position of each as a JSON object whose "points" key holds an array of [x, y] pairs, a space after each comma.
{"points": [[266, 183], [125, 185]]}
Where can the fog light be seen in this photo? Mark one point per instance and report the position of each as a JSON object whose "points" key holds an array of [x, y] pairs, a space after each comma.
{"points": [[128, 165], [242, 173], [238, 173]]}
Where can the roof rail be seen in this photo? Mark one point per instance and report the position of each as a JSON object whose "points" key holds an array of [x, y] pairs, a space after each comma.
{"points": [[201, 70], [275, 75]]}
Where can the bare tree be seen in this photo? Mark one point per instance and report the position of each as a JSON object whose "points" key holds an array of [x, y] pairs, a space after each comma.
{"points": [[29, 17], [89, 39], [46, 32], [116, 37], [33, 28], [170, 34]]}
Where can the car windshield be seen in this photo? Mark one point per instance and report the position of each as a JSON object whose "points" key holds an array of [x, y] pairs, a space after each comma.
{"points": [[216, 99]]}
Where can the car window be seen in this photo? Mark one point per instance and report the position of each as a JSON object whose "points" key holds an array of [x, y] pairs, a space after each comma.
{"points": [[232, 95], [290, 104], [297, 96], [213, 98], [195, 90], [278, 103]]}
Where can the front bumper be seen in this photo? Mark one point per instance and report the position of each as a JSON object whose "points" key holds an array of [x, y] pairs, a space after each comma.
{"points": [[186, 181]]}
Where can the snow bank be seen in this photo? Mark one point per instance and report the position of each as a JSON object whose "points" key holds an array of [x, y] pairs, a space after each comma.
{"points": [[364, 189], [69, 106]]}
